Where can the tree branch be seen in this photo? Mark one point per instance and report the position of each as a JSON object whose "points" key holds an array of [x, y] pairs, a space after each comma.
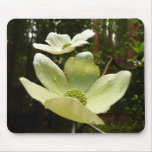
{"points": [[73, 128], [107, 66], [123, 68], [95, 128]]}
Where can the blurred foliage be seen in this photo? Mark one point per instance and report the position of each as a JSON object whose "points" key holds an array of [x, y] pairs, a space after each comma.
{"points": [[121, 39]]}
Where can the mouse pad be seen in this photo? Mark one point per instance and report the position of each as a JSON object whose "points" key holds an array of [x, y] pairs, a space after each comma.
{"points": [[75, 76]]}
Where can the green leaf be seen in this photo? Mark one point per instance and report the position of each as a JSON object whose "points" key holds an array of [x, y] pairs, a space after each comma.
{"points": [[37, 92], [72, 109], [50, 75], [107, 90], [81, 71]]}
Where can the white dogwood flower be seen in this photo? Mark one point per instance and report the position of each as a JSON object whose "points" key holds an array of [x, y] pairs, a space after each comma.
{"points": [[80, 93], [62, 43]]}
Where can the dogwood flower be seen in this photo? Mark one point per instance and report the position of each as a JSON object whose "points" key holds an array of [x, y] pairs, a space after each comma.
{"points": [[62, 43], [78, 93]]}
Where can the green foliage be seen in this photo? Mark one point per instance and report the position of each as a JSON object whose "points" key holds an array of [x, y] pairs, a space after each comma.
{"points": [[138, 47]]}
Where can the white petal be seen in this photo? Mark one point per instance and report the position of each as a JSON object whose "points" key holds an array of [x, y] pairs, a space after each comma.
{"points": [[36, 91], [107, 90], [79, 43], [72, 109], [81, 71], [83, 36], [50, 75], [57, 40], [47, 48]]}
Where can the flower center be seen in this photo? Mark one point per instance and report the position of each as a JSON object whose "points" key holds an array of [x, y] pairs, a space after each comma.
{"points": [[66, 45], [77, 94]]}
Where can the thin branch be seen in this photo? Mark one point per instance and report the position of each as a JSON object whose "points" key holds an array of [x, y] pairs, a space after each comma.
{"points": [[95, 128], [107, 66], [73, 128], [123, 68]]}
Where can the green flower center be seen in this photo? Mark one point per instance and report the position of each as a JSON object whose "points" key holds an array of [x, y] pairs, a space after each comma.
{"points": [[66, 45], [77, 94]]}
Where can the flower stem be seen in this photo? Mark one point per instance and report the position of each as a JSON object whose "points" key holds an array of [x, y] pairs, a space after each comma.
{"points": [[95, 128], [73, 128], [107, 66]]}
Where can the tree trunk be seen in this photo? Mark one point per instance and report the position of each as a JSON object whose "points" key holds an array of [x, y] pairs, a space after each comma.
{"points": [[95, 29], [29, 53], [11, 57], [132, 28], [110, 29]]}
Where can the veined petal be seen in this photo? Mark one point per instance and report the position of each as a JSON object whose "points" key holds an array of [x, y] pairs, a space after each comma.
{"points": [[57, 40], [36, 91], [47, 48], [72, 109], [49, 74], [81, 71], [83, 36], [107, 90], [79, 43]]}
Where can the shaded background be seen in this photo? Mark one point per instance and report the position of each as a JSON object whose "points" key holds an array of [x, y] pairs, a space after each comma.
{"points": [[121, 39]]}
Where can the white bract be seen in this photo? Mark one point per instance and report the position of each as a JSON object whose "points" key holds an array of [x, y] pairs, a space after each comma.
{"points": [[62, 43], [78, 93]]}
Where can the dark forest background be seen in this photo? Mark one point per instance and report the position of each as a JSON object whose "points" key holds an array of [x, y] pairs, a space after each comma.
{"points": [[121, 39]]}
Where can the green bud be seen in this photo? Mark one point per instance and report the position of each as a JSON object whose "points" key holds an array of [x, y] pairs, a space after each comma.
{"points": [[66, 45], [77, 94]]}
